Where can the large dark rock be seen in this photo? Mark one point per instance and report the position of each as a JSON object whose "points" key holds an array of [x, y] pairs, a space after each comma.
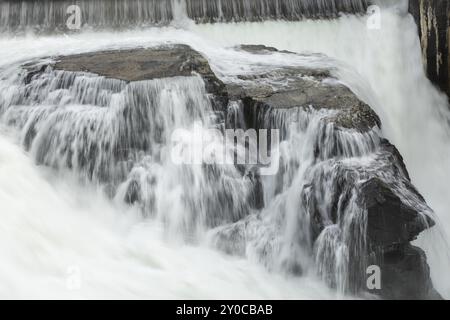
{"points": [[395, 212], [300, 87], [405, 275], [392, 221], [433, 21], [143, 64], [138, 64]]}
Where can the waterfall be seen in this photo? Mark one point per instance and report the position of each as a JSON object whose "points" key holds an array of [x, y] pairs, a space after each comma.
{"points": [[316, 195], [88, 181], [48, 15], [400, 94], [258, 10], [52, 14], [118, 135]]}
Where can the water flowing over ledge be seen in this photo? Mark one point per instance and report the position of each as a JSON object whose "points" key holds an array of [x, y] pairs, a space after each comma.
{"points": [[48, 15], [341, 200]]}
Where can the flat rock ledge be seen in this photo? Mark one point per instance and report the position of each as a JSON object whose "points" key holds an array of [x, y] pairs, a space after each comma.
{"points": [[300, 87], [141, 64]]}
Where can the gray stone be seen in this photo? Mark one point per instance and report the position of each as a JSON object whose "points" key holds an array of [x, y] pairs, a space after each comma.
{"points": [[304, 88], [143, 64]]}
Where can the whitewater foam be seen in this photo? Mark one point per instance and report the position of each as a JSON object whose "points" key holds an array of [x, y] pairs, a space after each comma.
{"points": [[45, 217]]}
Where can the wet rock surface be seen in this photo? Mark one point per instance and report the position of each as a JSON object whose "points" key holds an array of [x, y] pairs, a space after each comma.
{"points": [[141, 64], [391, 222], [406, 275], [138, 64], [433, 21], [300, 87], [393, 219]]}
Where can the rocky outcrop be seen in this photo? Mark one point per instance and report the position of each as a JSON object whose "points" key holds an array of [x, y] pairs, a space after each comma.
{"points": [[433, 20], [110, 117], [293, 87], [393, 211], [391, 226], [390, 222], [141, 64], [406, 275]]}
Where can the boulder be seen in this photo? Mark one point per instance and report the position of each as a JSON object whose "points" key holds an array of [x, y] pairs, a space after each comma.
{"points": [[405, 275], [391, 221], [394, 218], [300, 87], [395, 212], [141, 64]]}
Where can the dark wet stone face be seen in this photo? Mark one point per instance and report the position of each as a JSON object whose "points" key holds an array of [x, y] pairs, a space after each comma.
{"points": [[432, 19]]}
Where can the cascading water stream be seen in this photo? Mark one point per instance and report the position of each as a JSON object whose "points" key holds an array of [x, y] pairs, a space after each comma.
{"points": [[115, 136], [109, 132], [322, 170], [390, 78]]}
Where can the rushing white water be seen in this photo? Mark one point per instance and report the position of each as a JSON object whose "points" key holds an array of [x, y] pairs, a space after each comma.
{"points": [[55, 225], [54, 233], [87, 112], [415, 115]]}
